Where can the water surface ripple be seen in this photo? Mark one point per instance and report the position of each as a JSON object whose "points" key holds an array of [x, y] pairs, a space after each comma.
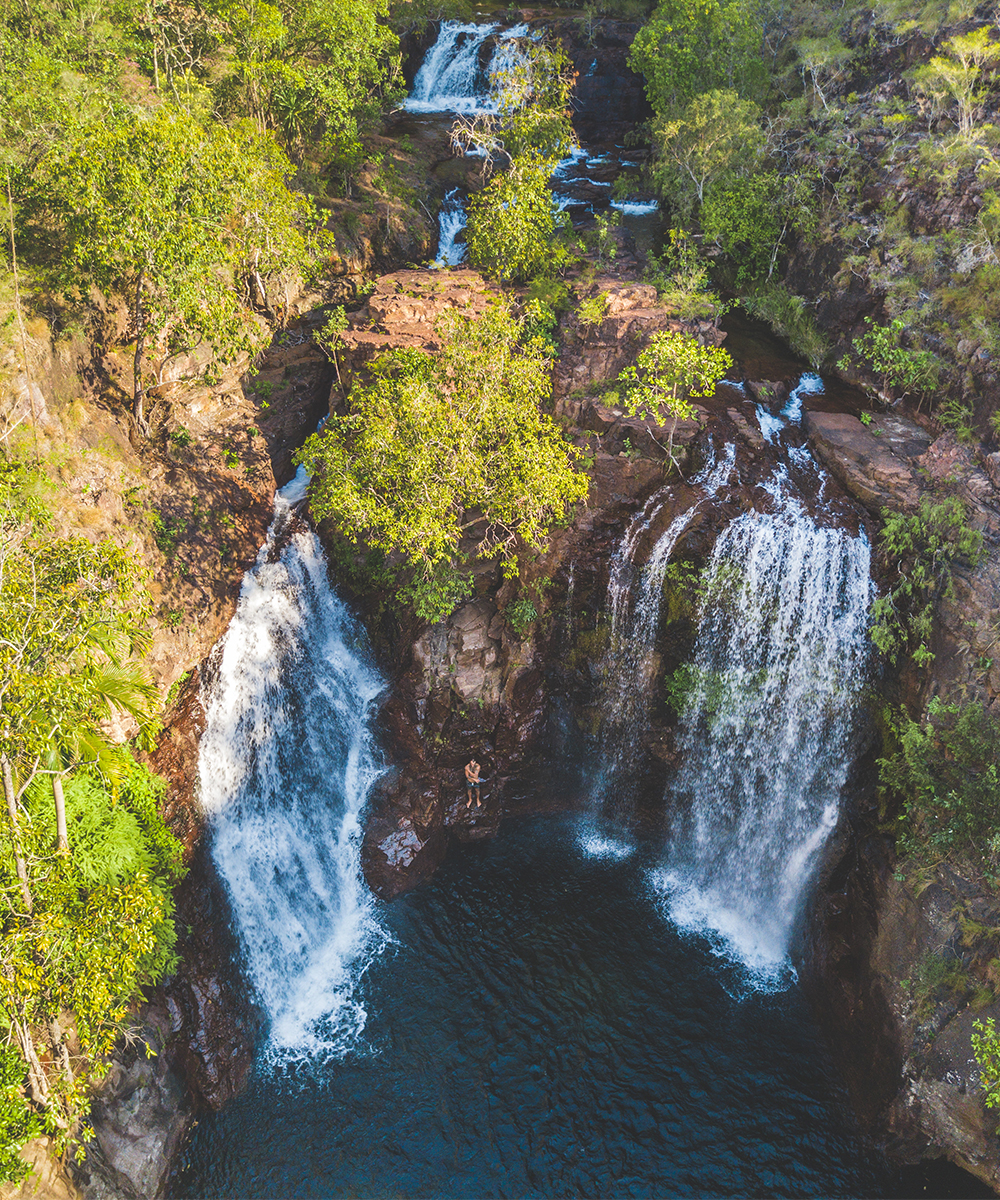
{"points": [[541, 1029]]}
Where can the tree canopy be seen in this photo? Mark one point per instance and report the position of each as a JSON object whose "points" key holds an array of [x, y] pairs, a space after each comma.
{"points": [[434, 448], [512, 221], [186, 221], [84, 929]]}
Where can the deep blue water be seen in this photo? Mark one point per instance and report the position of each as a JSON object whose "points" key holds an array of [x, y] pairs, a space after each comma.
{"points": [[540, 1029]]}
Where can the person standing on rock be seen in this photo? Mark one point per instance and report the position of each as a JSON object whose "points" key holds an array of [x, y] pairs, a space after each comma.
{"points": [[472, 781]]}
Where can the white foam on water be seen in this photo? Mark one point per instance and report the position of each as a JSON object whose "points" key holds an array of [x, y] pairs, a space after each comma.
{"points": [[451, 77], [285, 764], [770, 425], [765, 735], [810, 384], [754, 949], [595, 845], [636, 208], [451, 222]]}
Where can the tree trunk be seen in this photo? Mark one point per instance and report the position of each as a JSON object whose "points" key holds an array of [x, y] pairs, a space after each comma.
{"points": [[140, 339], [59, 1048], [60, 801], [15, 834]]}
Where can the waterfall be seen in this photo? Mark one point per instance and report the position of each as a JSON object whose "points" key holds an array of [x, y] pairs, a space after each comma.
{"points": [[451, 222], [629, 663], [451, 77], [778, 663], [285, 763]]}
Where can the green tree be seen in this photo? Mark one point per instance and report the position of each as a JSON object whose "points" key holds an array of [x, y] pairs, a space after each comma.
{"points": [[534, 84], [946, 770], [692, 46], [823, 60], [185, 222], [512, 223], [73, 615], [668, 372], [715, 139], [958, 74], [101, 928], [901, 370], [986, 1048], [319, 72], [748, 219], [434, 449]]}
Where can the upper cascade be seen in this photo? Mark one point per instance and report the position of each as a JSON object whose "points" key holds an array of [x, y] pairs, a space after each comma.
{"points": [[453, 76]]}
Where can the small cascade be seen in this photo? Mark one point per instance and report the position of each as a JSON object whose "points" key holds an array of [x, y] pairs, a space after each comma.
{"points": [[451, 222], [285, 764], [630, 660], [778, 663], [452, 78]]}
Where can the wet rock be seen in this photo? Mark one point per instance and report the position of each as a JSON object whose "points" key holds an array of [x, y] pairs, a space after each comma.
{"points": [[771, 395], [140, 1119], [401, 848], [866, 467], [404, 840], [751, 434], [904, 438]]}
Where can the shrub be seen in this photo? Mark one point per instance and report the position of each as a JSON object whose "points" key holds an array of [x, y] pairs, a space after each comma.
{"points": [[920, 548], [946, 771]]}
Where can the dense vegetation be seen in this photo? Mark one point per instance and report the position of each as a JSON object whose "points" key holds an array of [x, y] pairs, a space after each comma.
{"points": [[86, 882], [789, 137], [174, 163], [436, 447], [164, 168]]}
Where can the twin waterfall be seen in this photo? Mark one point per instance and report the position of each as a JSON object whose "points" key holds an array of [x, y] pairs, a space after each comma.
{"points": [[286, 762], [630, 661], [765, 732], [765, 741]]}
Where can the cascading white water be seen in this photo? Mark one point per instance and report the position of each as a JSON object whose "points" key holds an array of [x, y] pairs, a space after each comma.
{"points": [[451, 222], [451, 77], [630, 660], [779, 660], [285, 763]]}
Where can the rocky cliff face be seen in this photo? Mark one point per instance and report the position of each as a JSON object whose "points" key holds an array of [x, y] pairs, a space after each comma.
{"points": [[890, 937]]}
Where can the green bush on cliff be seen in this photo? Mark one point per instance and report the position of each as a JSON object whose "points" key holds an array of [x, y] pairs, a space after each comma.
{"points": [[88, 865], [945, 770], [668, 372], [18, 1122], [100, 928], [900, 369], [435, 450], [986, 1048], [920, 549]]}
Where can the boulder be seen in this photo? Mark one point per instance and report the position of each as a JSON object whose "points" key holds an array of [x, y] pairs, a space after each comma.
{"points": [[771, 395], [866, 466]]}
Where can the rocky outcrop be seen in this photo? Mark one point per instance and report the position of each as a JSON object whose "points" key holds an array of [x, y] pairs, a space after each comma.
{"points": [[867, 466], [905, 956]]}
